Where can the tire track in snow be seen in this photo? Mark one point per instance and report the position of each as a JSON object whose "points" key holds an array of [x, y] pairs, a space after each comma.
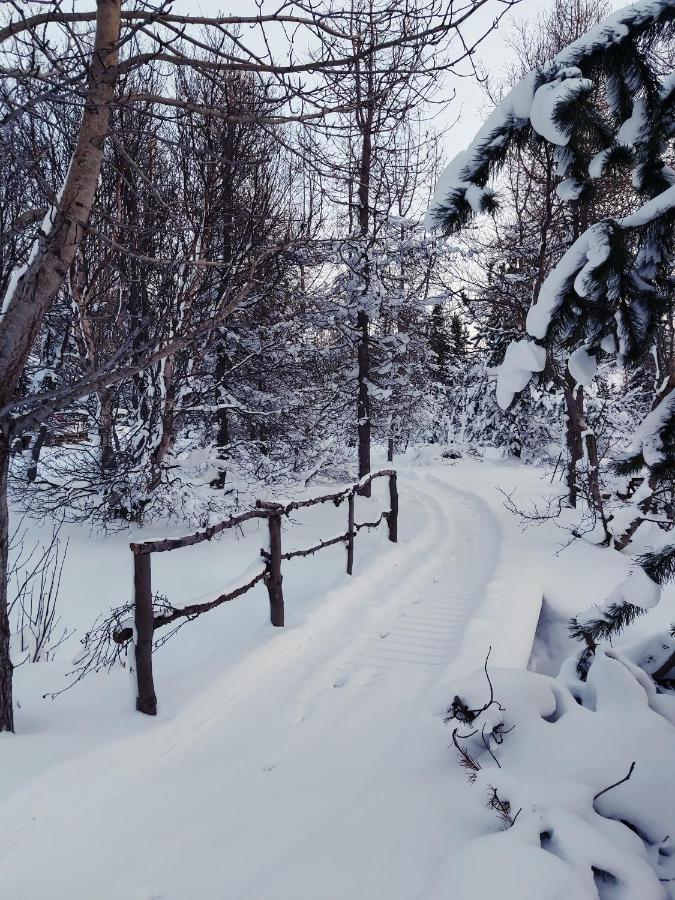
{"points": [[357, 778], [436, 599]]}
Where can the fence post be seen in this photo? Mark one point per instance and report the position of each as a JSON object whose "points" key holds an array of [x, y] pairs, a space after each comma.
{"points": [[274, 578], [392, 518], [146, 700], [350, 534]]}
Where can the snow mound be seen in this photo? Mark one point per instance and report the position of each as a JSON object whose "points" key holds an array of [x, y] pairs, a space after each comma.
{"points": [[580, 775], [582, 365]]}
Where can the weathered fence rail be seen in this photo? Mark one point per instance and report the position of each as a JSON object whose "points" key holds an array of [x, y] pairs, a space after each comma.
{"points": [[146, 621]]}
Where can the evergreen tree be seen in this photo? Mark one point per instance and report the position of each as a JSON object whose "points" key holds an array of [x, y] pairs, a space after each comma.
{"points": [[606, 107], [440, 343], [459, 336]]}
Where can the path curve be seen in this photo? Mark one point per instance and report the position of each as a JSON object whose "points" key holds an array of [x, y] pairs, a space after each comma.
{"points": [[312, 772]]}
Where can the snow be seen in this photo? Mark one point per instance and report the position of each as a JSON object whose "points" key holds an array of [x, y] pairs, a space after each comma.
{"points": [[582, 365], [303, 762], [650, 210], [521, 360], [563, 90], [569, 189], [597, 165], [510, 856], [630, 132], [277, 754], [589, 251], [647, 438], [572, 740], [638, 589]]}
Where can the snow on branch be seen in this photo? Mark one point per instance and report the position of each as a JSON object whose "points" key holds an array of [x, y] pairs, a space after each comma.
{"points": [[536, 101]]}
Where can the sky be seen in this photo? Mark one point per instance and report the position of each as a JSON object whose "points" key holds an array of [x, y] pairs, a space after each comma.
{"points": [[461, 117], [462, 104]]}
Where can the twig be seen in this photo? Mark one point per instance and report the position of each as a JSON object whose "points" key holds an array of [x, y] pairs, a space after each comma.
{"points": [[616, 783]]}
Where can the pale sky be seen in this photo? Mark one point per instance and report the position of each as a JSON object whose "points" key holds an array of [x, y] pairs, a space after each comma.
{"points": [[459, 118], [463, 116]]}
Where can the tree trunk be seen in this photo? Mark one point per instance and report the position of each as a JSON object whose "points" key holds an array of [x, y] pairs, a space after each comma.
{"points": [[274, 577], [644, 507], [168, 435], [105, 430], [362, 321], [223, 424], [6, 709], [38, 286], [31, 473], [146, 699], [593, 476], [574, 404], [581, 443], [363, 404]]}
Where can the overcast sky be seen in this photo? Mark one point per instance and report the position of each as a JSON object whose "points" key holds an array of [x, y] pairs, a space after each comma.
{"points": [[460, 118]]}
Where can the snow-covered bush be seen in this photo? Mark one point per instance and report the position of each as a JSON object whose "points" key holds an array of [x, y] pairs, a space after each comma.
{"points": [[579, 772]]}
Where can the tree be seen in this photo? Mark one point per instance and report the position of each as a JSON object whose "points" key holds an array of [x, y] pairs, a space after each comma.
{"points": [[98, 64], [605, 106], [534, 225], [440, 342]]}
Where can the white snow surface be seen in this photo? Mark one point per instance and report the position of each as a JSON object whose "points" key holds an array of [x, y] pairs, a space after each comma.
{"points": [[650, 210], [553, 765], [582, 365], [302, 763], [521, 360], [647, 438], [284, 763], [549, 96]]}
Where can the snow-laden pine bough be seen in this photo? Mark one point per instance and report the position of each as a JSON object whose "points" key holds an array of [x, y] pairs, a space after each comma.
{"points": [[138, 622], [578, 772], [606, 106]]}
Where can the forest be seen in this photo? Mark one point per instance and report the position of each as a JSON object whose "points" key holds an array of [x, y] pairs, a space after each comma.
{"points": [[337, 449]]}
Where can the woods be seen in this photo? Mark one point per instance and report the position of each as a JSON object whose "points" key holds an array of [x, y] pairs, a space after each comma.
{"points": [[249, 263], [188, 190]]}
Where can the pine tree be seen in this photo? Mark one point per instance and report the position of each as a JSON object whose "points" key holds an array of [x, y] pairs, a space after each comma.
{"points": [[606, 106], [440, 343], [459, 336]]}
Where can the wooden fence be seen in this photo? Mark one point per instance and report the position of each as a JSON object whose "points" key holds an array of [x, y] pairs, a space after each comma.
{"points": [[147, 622]]}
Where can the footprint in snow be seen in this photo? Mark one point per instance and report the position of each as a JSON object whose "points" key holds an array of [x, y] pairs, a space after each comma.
{"points": [[341, 679]]}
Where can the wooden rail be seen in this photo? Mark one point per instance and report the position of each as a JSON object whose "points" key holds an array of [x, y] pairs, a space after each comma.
{"points": [[145, 620]]}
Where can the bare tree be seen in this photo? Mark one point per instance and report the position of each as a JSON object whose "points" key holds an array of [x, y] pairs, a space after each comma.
{"points": [[52, 59]]}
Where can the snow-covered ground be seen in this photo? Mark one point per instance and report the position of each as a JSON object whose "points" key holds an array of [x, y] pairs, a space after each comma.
{"points": [[295, 763]]}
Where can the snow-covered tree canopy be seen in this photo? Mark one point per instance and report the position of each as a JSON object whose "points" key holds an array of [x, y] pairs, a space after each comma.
{"points": [[606, 103]]}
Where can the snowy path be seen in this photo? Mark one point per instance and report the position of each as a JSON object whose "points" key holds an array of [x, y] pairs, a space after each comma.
{"points": [[448, 584], [311, 771]]}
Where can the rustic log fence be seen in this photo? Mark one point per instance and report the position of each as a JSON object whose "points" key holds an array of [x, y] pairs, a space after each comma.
{"points": [[146, 621]]}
